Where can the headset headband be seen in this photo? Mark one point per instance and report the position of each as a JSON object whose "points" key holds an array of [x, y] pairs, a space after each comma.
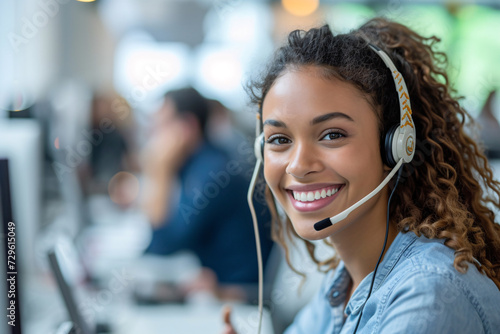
{"points": [[404, 140]]}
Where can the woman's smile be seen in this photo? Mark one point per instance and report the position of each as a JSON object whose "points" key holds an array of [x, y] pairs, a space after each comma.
{"points": [[312, 197]]}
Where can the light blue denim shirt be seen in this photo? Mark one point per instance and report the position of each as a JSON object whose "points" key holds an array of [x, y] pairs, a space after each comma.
{"points": [[416, 290]]}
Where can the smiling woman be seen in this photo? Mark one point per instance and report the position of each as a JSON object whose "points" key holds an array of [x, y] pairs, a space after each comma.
{"points": [[337, 125]]}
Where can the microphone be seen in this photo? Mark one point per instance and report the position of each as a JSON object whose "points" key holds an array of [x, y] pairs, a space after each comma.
{"points": [[327, 222]]}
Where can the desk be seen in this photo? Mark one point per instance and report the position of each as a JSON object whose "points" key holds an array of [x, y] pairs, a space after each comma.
{"points": [[126, 317], [117, 267], [115, 306], [186, 319]]}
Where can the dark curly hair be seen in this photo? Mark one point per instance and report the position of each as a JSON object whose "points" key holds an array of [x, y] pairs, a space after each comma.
{"points": [[447, 191]]}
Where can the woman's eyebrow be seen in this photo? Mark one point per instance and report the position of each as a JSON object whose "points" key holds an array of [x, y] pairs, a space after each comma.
{"points": [[329, 116], [316, 120], [274, 123]]}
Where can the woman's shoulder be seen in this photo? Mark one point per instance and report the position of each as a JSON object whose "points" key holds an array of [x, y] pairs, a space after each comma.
{"points": [[432, 257], [425, 272]]}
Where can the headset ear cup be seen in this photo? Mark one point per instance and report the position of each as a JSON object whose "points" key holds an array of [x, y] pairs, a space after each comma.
{"points": [[262, 146], [388, 157]]}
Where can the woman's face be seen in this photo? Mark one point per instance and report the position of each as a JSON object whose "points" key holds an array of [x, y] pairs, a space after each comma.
{"points": [[322, 150]]}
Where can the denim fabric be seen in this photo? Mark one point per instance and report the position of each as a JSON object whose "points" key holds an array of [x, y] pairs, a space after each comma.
{"points": [[416, 291]]}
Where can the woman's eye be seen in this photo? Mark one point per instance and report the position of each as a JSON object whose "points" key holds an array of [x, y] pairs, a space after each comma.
{"points": [[277, 140], [333, 136]]}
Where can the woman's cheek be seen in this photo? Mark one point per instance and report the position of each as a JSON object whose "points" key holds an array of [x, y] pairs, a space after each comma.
{"points": [[274, 170], [270, 175]]}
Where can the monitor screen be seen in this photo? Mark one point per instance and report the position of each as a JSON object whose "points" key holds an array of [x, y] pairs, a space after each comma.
{"points": [[9, 282], [70, 276]]}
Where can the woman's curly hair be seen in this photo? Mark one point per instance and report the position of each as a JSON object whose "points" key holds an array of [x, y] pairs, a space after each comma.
{"points": [[447, 191]]}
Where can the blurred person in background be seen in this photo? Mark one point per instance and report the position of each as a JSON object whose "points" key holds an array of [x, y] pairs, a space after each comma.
{"points": [[114, 153], [195, 199]]}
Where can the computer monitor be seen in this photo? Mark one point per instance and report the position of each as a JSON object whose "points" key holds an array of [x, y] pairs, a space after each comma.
{"points": [[9, 284], [72, 280], [20, 144], [66, 287]]}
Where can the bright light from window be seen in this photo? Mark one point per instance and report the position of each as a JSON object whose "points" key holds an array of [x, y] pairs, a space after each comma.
{"points": [[223, 72], [219, 73], [152, 68], [146, 69]]}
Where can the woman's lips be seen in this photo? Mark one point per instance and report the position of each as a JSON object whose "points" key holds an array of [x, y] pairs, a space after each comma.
{"points": [[316, 204]]}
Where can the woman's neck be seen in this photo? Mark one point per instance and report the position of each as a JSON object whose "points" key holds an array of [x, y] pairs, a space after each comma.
{"points": [[360, 243]]}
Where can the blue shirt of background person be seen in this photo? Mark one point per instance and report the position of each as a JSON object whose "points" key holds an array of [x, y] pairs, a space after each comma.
{"points": [[211, 218], [195, 194]]}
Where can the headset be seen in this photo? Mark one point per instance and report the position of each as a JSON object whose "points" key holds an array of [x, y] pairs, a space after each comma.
{"points": [[399, 148]]}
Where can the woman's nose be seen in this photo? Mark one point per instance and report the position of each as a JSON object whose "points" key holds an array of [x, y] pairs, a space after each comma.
{"points": [[303, 161]]}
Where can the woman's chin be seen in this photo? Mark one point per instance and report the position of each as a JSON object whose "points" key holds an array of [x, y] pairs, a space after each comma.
{"points": [[305, 229]]}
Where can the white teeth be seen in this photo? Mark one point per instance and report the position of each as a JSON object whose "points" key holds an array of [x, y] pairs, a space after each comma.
{"points": [[313, 195]]}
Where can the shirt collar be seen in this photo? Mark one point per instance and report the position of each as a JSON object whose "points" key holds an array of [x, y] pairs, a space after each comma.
{"points": [[337, 293]]}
